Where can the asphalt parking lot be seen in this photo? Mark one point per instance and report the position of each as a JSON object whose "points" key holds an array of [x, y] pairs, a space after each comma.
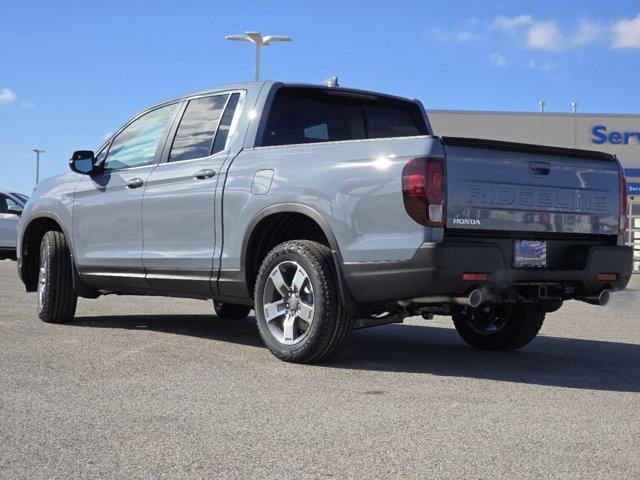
{"points": [[160, 388]]}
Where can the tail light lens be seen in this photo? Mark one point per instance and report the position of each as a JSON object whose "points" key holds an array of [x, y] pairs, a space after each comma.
{"points": [[423, 188], [624, 207]]}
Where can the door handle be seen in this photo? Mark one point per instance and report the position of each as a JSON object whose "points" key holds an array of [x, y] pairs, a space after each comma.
{"points": [[204, 174], [134, 183]]}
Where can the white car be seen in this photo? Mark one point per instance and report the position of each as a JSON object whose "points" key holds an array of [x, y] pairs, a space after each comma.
{"points": [[11, 206]]}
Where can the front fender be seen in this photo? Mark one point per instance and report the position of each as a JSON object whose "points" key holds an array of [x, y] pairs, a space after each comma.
{"points": [[52, 200]]}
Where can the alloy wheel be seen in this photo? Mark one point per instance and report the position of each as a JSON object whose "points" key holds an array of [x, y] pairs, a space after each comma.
{"points": [[288, 303]]}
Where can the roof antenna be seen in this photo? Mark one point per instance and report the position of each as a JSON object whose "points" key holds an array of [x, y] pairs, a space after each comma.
{"points": [[331, 82]]}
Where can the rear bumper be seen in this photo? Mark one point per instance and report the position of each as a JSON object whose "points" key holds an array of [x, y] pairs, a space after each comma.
{"points": [[437, 268]]}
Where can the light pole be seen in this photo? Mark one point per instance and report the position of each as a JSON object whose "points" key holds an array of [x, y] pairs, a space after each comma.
{"points": [[259, 41], [38, 152]]}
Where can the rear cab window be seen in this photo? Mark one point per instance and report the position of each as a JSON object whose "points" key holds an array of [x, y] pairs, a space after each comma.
{"points": [[310, 115]]}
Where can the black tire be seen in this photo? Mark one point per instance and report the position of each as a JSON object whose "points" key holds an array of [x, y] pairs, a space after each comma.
{"points": [[518, 325], [56, 297], [231, 311], [330, 325]]}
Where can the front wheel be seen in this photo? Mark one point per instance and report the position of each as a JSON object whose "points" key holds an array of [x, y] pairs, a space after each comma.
{"points": [[509, 328], [298, 308], [56, 296]]}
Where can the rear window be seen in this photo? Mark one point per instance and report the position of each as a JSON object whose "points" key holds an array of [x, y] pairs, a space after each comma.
{"points": [[301, 115]]}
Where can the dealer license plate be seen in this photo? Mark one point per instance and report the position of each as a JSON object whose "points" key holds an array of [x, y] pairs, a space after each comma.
{"points": [[530, 254]]}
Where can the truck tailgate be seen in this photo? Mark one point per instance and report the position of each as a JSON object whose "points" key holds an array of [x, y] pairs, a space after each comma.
{"points": [[509, 187]]}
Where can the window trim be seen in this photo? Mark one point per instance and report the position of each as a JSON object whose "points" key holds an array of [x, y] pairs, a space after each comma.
{"points": [[156, 157], [334, 142], [183, 108], [15, 198]]}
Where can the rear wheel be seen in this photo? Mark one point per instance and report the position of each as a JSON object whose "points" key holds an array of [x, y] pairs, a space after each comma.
{"points": [[509, 328], [299, 312], [56, 296], [231, 311]]}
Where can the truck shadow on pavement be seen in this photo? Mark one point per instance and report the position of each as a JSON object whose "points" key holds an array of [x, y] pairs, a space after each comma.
{"points": [[200, 326], [551, 361]]}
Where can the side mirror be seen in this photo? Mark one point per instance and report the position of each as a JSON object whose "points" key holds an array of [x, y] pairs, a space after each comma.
{"points": [[83, 162], [15, 210]]}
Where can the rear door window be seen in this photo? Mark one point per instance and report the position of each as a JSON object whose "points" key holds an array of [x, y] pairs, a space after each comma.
{"points": [[302, 115], [197, 129]]}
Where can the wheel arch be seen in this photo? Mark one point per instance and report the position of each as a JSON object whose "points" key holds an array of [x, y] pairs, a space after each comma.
{"points": [[255, 246], [30, 241]]}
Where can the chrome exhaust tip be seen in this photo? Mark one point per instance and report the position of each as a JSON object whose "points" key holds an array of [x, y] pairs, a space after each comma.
{"points": [[601, 299], [475, 299]]}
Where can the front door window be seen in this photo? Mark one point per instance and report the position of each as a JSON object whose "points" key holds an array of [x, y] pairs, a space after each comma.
{"points": [[136, 145]]}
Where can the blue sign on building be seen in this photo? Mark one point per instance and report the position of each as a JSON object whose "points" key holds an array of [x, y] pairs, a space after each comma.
{"points": [[601, 135], [633, 187]]}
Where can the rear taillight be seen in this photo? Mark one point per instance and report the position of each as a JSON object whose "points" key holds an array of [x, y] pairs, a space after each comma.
{"points": [[624, 207], [423, 184]]}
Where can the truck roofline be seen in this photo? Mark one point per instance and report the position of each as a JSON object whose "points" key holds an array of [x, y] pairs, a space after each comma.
{"points": [[271, 84]]}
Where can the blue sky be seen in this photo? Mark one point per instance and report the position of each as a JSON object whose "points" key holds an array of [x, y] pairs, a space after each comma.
{"points": [[71, 72]]}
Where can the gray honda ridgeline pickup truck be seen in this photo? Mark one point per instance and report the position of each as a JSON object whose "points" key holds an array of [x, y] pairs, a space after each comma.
{"points": [[327, 209]]}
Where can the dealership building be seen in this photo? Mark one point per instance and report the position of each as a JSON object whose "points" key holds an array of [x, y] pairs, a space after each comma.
{"points": [[618, 134]]}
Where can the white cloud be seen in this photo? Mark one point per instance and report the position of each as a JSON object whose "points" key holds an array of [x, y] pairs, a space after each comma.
{"points": [[626, 33], [587, 32], [498, 60], [7, 96], [464, 37], [545, 36], [503, 22], [445, 36], [534, 64]]}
